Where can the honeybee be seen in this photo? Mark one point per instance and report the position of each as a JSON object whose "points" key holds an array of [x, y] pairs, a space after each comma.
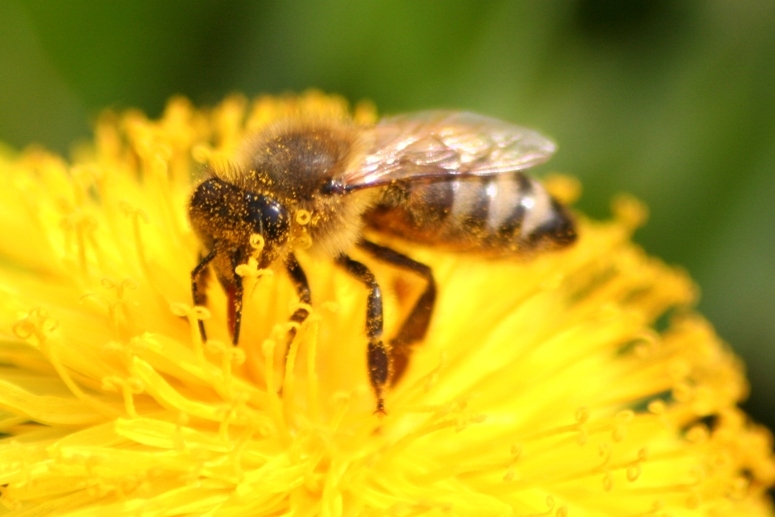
{"points": [[447, 179]]}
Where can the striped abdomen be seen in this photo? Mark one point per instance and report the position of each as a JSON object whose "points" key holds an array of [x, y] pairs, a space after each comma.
{"points": [[498, 213]]}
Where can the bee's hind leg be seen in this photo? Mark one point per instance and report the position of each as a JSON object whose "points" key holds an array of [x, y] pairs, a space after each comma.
{"points": [[416, 324], [377, 356]]}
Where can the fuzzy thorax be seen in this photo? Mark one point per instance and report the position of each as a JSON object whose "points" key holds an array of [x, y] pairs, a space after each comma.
{"points": [[292, 161]]}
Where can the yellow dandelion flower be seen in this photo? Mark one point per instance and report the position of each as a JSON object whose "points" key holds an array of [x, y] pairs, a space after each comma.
{"points": [[580, 383]]}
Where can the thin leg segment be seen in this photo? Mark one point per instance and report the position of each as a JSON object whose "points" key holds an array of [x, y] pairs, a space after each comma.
{"points": [[377, 355], [197, 275], [416, 324], [299, 279], [234, 295]]}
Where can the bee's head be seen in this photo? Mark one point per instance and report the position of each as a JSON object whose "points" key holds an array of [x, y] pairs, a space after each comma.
{"points": [[302, 163], [225, 217], [270, 219]]}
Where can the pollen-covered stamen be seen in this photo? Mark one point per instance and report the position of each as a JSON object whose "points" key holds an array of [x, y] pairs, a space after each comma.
{"points": [[421, 387], [607, 464], [515, 452], [36, 324], [302, 240], [313, 380], [137, 216], [155, 162], [250, 272], [234, 411], [116, 304], [79, 228], [128, 387], [273, 385], [303, 217], [194, 315], [294, 333], [257, 243], [133, 347], [455, 415], [230, 356]]}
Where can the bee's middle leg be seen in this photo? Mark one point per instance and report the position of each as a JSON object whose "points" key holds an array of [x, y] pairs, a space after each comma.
{"points": [[416, 324], [377, 355], [299, 279]]}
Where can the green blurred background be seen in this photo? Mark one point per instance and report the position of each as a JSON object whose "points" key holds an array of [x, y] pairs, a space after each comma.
{"points": [[672, 101]]}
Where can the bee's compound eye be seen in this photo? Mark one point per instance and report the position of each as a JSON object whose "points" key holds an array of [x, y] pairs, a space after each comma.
{"points": [[332, 186], [268, 218]]}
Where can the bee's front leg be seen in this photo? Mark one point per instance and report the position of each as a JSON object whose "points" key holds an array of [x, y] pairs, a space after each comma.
{"points": [[198, 276], [377, 357], [234, 291]]}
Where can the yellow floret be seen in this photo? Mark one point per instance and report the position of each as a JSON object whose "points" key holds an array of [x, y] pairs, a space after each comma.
{"points": [[578, 383]]}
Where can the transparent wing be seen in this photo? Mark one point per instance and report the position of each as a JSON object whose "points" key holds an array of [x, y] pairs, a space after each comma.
{"points": [[434, 144]]}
